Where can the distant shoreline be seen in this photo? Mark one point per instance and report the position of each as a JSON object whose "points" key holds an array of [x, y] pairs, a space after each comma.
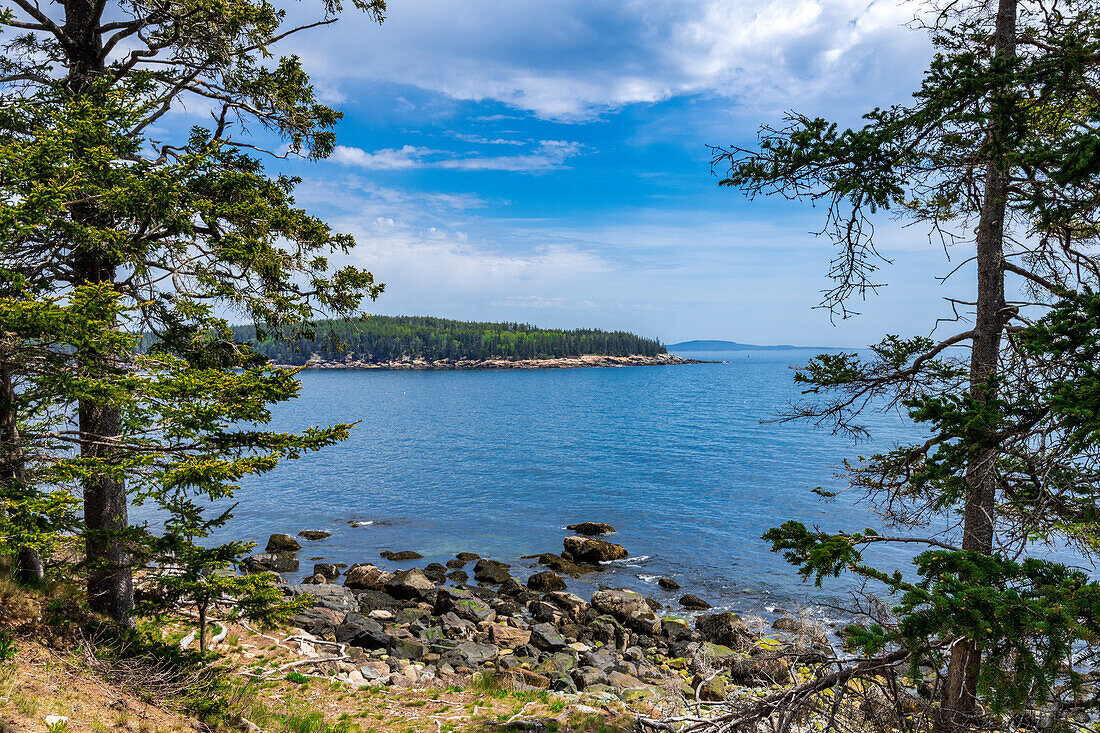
{"points": [[570, 362]]}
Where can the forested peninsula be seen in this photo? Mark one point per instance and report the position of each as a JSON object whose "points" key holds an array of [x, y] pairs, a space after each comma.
{"points": [[424, 342]]}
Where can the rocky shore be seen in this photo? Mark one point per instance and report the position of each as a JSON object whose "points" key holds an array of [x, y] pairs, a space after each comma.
{"points": [[443, 625], [571, 362]]}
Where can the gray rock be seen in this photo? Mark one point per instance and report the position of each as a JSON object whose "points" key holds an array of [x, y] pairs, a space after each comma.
{"points": [[401, 556], [490, 574], [456, 564], [559, 564], [464, 605], [546, 582], [435, 573], [401, 648], [591, 528], [456, 627], [374, 600], [457, 576], [592, 550], [270, 562], [510, 587], [473, 654], [326, 570], [362, 631], [318, 621], [467, 556], [314, 534], [668, 584], [282, 543], [365, 577], [628, 607], [335, 597], [726, 629], [694, 602], [408, 584], [574, 606], [546, 638]]}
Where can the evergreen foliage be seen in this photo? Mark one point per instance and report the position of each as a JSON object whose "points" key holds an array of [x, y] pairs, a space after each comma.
{"points": [[997, 152], [393, 338]]}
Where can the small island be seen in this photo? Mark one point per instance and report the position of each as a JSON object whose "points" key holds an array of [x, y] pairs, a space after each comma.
{"points": [[424, 342]]}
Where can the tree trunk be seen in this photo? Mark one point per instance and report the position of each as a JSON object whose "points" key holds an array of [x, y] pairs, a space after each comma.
{"points": [[110, 578], [958, 702], [202, 628], [28, 563]]}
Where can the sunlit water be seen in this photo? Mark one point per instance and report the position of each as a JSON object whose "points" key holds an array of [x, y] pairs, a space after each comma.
{"points": [[681, 460]]}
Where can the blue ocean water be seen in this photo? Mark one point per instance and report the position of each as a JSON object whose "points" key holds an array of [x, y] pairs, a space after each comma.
{"points": [[680, 459]]}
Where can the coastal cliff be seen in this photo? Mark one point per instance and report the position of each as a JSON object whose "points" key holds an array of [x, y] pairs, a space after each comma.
{"points": [[566, 362]]}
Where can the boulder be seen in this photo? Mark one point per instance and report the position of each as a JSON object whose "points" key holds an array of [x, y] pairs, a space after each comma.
{"points": [[365, 577], [472, 654], [467, 556], [375, 600], [270, 562], [546, 638], [592, 550], [490, 571], [402, 648], [726, 629], [694, 602], [464, 605], [675, 629], [668, 584], [362, 631], [457, 576], [401, 556], [456, 627], [574, 606], [509, 637], [628, 607], [314, 534], [408, 584], [591, 528], [623, 681], [456, 564], [787, 623], [759, 670], [559, 564], [436, 573], [546, 581], [326, 570], [282, 543], [334, 597], [511, 587], [318, 621]]}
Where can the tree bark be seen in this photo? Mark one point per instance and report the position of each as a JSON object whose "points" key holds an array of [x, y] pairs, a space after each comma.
{"points": [[958, 702], [110, 578], [28, 563]]}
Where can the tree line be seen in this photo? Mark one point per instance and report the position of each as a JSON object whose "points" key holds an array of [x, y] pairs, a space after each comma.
{"points": [[393, 338]]}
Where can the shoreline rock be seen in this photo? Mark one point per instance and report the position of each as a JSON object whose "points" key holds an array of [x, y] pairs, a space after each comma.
{"points": [[568, 362]]}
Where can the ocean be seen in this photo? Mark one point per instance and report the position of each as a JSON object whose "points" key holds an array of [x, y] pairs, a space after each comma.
{"points": [[686, 462]]}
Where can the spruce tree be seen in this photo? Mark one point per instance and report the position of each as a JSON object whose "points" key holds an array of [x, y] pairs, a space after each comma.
{"points": [[997, 156], [183, 229]]}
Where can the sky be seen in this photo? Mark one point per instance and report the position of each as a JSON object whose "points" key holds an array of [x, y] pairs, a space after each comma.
{"points": [[548, 162]]}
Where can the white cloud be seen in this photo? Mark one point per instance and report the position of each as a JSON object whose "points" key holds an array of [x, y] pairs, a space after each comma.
{"points": [[547, 155], [573, 59], [387, 159]]}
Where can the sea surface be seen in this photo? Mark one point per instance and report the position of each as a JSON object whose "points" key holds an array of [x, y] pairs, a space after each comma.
{"points": [[685, 462]]}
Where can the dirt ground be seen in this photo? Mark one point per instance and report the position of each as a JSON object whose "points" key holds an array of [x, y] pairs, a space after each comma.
{"points": [[275, 697]]}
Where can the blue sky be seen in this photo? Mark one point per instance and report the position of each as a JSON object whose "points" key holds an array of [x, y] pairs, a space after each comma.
{"points": [[548, 162]]}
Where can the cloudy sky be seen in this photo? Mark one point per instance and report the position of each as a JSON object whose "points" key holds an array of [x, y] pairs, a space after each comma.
{"points": [[547, 161]]}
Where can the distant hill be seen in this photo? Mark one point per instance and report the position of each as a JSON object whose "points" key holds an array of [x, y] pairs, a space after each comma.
{"points": [[727, 346], [381, 339]]}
